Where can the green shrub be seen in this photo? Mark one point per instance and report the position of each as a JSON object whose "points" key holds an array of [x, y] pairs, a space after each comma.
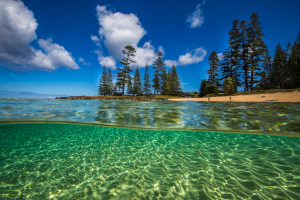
{"points": [[209, 95], [228, 86]]}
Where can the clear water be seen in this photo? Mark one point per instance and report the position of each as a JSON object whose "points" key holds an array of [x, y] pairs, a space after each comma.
{"points": [[46, 160], [268, 117]]}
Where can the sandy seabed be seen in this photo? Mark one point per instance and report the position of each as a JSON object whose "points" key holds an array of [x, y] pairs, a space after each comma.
{"points": [[273, 97]]}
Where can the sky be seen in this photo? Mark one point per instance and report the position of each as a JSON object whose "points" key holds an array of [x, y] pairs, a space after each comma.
{"points": [[58, 48]]}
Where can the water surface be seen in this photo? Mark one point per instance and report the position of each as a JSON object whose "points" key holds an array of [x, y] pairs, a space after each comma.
{"points": [[268, 117]]}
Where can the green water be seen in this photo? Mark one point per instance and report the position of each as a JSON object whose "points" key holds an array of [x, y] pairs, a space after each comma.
{"points": [[68, 161]]}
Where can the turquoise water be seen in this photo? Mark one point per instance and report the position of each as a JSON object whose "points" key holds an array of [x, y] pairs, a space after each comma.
{"points": [[63, 161], [164, 150]]}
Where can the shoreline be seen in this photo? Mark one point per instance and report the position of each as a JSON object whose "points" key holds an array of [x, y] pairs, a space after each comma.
{"points": [[271, 97], [132, 98]]}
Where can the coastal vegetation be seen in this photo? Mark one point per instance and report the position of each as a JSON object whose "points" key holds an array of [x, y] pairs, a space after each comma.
{"points": [[165, 82], [247, 63]]}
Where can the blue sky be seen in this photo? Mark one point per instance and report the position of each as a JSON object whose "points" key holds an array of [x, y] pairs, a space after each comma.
{"points": [[57, 48]]}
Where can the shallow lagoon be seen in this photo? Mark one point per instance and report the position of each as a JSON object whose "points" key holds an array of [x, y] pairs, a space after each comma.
{"points": [[268, 117], [72, 161]]}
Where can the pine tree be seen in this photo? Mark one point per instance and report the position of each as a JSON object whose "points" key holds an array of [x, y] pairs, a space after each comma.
{"points": [[167, 86], [169, 77], [110, 84], [265, 81], [257, 48], [214, 63], [279, 64], [234, 43], [130, 90], [165, 90], [137, 84], [103, 83], [288, 49], [289, 68], [124, 73], [294, 63], [156, 85], [147, 85], [158, 64], [297, 77], [175, 83], [118, 87], [227, 67], [244, 53], [203, 88]]}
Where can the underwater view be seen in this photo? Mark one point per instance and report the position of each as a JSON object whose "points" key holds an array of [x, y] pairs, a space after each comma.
{"points": [[115, 149]]}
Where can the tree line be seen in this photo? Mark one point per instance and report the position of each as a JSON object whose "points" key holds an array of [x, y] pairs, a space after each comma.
{"points": [[164, 82], [247, 62]]}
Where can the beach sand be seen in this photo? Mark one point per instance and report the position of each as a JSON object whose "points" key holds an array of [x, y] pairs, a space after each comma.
{"points": [[273, 97]]}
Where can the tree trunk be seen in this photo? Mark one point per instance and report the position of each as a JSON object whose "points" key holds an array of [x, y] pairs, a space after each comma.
{"points": [[235, 69], [251, 81], [246, 79], [251, 78]]}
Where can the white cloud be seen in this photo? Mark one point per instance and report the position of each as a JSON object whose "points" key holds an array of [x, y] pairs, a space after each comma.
{"points": [[144, 55], [17, 30], [169, 63], [185, 83], [191, 57], [161, 49], [83, 61], [95, 39], [196, 19], [118, 30], [107, 61], [220, 56], [42, 61], [57, 54]]}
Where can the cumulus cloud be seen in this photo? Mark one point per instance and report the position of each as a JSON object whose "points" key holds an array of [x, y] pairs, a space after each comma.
{"points": [[107, 61], [95, 39], [118, 30], [144, 55], [220, 56], [191, 57], [196, 19], [17, 30], [57, 54], [169, 63], [83, 61]]}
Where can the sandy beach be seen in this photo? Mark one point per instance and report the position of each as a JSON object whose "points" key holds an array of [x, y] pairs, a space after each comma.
{"points": [[273, 97]]}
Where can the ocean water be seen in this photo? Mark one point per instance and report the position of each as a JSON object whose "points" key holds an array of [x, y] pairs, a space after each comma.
{"points": [[62, 149], [268, 117]]}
